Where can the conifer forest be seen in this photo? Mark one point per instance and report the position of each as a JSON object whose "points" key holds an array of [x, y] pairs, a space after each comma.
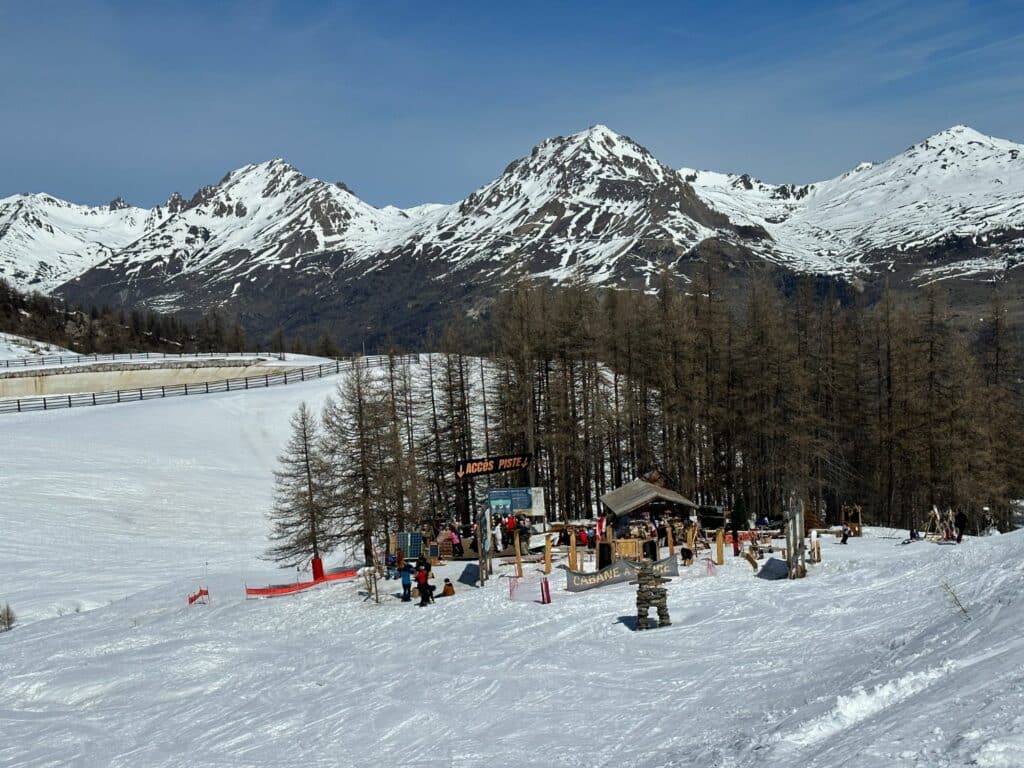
{"points": [[742, 403]]}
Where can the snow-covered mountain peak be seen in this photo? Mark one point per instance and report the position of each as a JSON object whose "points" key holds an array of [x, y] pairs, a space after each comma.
{"points": [[587, 166], [957, 135], [266, 180], [597, 151], [963, 149], [45, 241], [261, 216], [591, 201], [957, 184]]}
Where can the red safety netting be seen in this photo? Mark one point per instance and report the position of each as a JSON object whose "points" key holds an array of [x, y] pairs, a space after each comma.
{"points": [[276, 590]]}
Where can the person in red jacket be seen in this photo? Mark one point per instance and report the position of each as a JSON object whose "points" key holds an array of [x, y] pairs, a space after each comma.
{"points": [[423, 585]]}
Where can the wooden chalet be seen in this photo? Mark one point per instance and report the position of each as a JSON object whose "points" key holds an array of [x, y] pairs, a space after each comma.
{"points": [[639, 498]]}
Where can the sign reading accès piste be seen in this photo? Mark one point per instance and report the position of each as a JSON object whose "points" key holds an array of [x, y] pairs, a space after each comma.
{"points": [[489, 465]]}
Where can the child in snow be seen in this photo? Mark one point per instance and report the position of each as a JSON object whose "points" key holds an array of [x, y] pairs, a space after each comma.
{"points": [[846, 533], [449, 589]]}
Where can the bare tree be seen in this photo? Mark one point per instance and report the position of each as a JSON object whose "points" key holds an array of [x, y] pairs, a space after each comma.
{"points": [[302, 525]]}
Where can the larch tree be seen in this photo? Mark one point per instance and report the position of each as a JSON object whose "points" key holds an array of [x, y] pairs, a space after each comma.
{"points": [[301, 519], [353, 431]]}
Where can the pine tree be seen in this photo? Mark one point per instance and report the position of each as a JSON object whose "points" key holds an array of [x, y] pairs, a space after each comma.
{"points": [[302, 524]]}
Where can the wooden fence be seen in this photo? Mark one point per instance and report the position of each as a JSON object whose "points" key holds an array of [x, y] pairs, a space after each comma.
{"points": [[293, 376], [71, 358]]}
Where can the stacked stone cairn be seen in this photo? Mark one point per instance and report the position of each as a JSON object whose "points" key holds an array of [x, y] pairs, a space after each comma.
{"points": [[650, 594]]}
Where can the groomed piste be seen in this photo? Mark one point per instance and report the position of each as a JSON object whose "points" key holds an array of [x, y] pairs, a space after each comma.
{"points": [[868, 661]]}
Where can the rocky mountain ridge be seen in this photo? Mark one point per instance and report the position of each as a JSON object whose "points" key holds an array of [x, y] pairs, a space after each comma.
{"points": [[282, 249], [951, 206]]}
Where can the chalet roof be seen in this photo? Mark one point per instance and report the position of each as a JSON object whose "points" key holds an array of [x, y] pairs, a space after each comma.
{"points": [[638, 493]]}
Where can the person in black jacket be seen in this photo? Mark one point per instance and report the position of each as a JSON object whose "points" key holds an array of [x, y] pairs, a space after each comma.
{"points": [[961, 524]]}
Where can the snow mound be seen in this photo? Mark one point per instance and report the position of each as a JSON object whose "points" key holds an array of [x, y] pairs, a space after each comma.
{"points": [[16, 347]]}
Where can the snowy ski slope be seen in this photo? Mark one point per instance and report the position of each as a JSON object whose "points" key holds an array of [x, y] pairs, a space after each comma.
{"points": [[110, 516]]}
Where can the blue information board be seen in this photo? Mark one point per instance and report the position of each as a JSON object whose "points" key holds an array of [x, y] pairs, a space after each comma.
{"points": [[517, 498]]}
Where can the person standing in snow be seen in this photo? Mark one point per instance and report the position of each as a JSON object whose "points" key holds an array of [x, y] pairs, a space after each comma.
{"points": [[423, 585], [961, 524], [457, 550], [846, 533], [524, 535], [406, 573]]}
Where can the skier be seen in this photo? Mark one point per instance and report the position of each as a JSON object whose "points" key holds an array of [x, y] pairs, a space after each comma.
{"points": [[961, 524]]}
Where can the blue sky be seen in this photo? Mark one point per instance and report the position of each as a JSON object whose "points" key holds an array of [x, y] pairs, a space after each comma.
{"points": [[426, 101]]}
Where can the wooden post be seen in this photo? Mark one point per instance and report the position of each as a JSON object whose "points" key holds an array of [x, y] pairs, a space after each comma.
{"points": [[720, 547], [519, 557], [860, 521], [547, 551], [691, 538], [572, 549], [668, 540]]}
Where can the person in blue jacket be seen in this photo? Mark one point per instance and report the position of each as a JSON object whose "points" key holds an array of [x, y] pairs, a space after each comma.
{"points": [[406, 573]]}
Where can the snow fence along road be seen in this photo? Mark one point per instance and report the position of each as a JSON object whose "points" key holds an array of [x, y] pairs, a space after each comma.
{"points": [[139, 383], [109, 519]]}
